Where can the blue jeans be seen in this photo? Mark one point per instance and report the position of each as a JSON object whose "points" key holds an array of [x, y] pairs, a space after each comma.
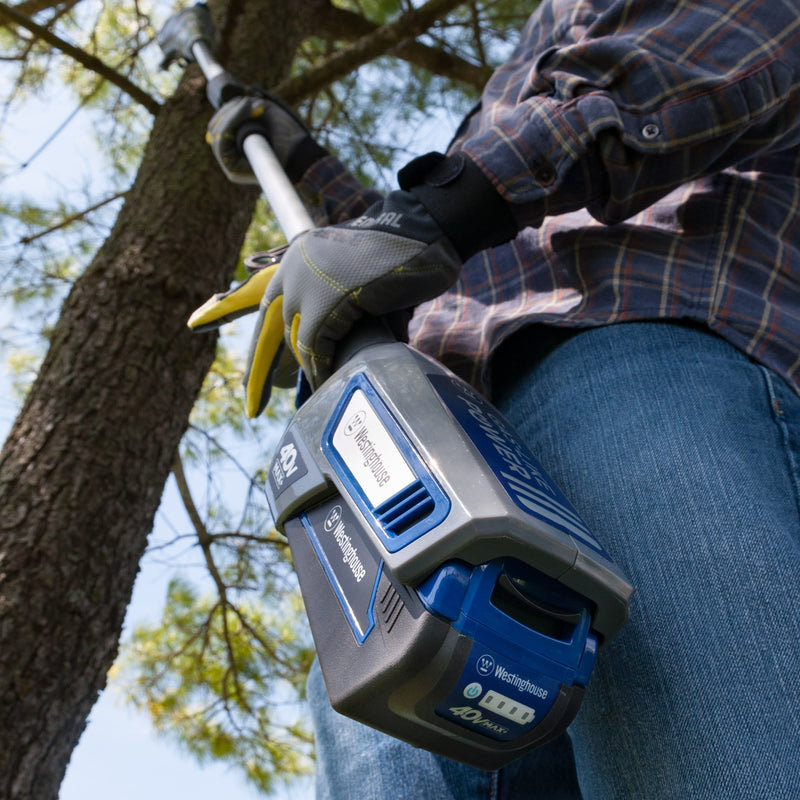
{"points": [[682, 456]]}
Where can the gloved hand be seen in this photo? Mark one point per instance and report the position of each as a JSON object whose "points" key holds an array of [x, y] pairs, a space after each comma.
{"points": [[260, 112], [404, 250], [393, 257], [245, 299]]}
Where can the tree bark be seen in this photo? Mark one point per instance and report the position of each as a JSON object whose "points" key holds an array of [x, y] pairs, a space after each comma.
{"points": [[83, 469]]}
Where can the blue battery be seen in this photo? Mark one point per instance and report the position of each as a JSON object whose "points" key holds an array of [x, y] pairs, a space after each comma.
{"points": [[530, 637]]}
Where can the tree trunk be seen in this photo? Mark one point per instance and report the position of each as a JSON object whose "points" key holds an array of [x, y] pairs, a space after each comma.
{"points": [[83, 469]]}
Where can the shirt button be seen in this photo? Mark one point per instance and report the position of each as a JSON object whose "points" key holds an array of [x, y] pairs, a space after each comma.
{"points": [[651, 131], [545, 176]]}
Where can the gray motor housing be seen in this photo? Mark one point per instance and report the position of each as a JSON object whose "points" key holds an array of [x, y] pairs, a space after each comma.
{"points": [[394, 477], [501, 502]]}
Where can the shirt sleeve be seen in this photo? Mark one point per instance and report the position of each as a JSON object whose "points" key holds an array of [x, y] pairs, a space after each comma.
{"points": [[332, 194], [611, 104]]}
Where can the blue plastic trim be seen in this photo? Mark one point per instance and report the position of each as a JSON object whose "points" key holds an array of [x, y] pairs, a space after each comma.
{"points": [[462, 594], [396, 511], [360, 636]]}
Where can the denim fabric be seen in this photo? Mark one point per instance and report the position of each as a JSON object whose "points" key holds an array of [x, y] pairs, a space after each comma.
{"points": [[682, 456]]}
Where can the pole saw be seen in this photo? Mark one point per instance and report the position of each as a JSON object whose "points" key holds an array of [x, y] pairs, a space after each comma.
{"points": [[456, 599]]}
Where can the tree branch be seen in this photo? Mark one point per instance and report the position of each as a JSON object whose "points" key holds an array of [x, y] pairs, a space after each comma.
{"points": [[14, 17], [440, 62], [343, 24], [31, 7], [203, 536], [276, 541], [266, 645], [205, 539], [369, 46], [68, 220]]}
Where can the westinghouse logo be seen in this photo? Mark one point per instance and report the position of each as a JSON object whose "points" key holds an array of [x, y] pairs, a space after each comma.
{"points": [[355, 423], [335, 525], [485, 665], [332, 520], [357, 428]]}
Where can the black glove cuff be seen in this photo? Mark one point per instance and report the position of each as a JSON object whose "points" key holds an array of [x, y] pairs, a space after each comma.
{"points": [[307, 152], [462, 200]]}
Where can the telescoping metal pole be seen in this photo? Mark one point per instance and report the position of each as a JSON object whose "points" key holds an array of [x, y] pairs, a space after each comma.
{"points": [[292, 216]]}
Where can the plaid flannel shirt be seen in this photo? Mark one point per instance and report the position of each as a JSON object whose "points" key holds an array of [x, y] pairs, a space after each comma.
{"points": [[649, 149]]}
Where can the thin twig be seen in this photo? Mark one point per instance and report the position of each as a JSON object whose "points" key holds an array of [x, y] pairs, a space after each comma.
{"points": [[13, 17], [68, 220], [204, 538]]}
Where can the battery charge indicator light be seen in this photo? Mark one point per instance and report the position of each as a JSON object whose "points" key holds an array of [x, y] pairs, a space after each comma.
{"points": [[506, 707]]}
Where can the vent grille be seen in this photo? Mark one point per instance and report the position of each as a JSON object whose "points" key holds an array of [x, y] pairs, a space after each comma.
{"points": [[391, 606], [405, 509]]}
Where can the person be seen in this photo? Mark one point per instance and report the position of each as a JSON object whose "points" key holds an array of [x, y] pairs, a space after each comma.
{"points": [[610, 251]]}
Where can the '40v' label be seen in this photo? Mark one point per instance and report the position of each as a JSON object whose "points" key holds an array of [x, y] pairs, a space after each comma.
{"points": [[287, 466], [475, 717]]}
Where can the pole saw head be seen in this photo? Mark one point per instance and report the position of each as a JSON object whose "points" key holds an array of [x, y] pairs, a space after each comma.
{"points": [[182, 31], [188, 37]]}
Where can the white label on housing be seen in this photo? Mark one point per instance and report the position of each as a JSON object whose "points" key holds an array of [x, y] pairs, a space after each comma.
{"points": [[369, 452]]}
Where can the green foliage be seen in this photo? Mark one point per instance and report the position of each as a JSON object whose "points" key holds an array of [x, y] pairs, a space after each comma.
{"points": [[380, 11], [220, 409], [226, 678], [121, 35], [22, 368], [44, 248]]}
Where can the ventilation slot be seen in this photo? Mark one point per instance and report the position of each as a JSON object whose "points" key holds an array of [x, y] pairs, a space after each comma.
{"points": [[391, 606], [405, 509]]}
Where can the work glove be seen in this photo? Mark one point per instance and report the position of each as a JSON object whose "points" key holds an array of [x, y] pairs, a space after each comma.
{"points": [[243, 299], [262, 113], [404, 250]]}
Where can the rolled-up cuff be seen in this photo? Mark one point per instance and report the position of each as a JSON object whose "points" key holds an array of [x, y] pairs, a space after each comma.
{"points": [[462, 200]]}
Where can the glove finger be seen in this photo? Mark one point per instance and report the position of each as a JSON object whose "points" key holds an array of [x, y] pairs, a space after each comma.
{"points": [[312, 286], [314, 350], [285, 375], [265, 355], [227, 306]]}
